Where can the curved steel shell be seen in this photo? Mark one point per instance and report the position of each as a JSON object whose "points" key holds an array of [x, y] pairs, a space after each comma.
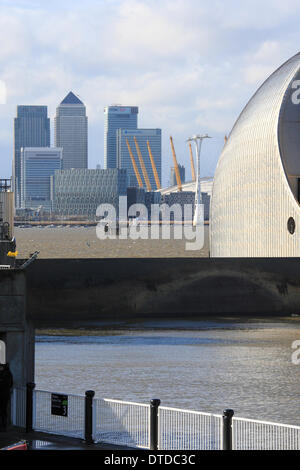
{"points": [[255, 189]]}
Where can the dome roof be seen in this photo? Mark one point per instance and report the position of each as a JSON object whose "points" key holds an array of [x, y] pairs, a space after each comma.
{"points": [[255, 188]]}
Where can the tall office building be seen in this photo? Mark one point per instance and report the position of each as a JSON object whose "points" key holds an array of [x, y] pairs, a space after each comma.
{"points": [[31, 129], [38, 165], [116, 117], [71, 132], [153, 136]]}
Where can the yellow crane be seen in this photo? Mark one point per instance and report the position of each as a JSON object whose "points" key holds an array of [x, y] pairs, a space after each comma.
{"points": [[148, 185], [153, 166], [137, 174], [192, 163], [178, 179]]}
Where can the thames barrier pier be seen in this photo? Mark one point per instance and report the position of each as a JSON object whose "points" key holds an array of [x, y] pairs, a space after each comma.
{"points": [[16, 329]]}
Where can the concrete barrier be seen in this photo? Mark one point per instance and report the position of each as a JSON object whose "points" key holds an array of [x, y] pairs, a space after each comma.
{"points": [[16, 330], [64, 291]]}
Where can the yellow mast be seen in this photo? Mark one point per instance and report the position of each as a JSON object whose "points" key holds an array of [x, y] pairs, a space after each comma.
{"points": [[137, 174], [153, 166], [178, 179], [148, 185], [192, 163]]}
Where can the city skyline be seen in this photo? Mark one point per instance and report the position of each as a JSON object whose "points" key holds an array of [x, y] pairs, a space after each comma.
{"points": [[189, 68]]}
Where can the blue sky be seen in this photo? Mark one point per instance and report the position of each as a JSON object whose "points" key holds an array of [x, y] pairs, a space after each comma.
{"points": [[189, 65]]}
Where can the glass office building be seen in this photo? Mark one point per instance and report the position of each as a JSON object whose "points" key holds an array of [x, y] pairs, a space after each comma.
{"points": [[71, 132], [31, 129], [116, 117], [78, 192], [142, 136], [37, 167]]}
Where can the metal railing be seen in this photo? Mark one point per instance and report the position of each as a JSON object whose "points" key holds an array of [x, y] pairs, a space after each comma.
{"points": [[71, 423], [148, 426], [184, 429], [18, 407], [121, 422], [250, 434]]}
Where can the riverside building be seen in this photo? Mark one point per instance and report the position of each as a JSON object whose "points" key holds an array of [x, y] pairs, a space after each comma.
{"points": [[37, 167], [78, 192]]}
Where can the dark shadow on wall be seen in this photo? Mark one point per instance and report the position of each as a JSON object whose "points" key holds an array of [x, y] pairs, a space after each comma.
{"points": [[82, 290]]}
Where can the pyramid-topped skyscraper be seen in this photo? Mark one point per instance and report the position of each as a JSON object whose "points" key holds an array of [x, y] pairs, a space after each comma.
{"points": [[71, 132], [71, 99]]}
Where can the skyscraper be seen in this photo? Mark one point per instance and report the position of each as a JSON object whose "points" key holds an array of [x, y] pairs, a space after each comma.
{"points": [[116, 117], [31, 129], [142, 136], [71, 132]]}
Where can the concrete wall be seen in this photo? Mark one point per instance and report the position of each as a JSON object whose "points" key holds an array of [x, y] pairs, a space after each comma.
{"points": [[113, 290], [16, 330]]}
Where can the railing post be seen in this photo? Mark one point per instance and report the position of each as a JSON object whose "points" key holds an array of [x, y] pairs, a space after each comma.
{"points": [[154, 404], [29, 405], [88, 430], [227, 429]]}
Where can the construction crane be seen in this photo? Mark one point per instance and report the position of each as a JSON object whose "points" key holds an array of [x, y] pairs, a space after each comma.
{"points": [[148, 185], [178, 179], [153, 166], [136, 171], [192, 163]]}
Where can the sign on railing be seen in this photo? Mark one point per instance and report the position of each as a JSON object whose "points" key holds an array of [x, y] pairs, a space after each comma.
{"points": [[59, 404]]}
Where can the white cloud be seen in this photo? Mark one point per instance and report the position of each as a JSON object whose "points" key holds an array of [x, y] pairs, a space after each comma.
{"points": [[2, 92]]}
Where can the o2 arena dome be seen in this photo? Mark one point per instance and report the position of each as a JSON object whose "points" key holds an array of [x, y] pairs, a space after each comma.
{"points": [[255, 210]]}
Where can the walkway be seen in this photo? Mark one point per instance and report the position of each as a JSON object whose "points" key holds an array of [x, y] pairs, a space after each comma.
{"points": [[44, 441]]}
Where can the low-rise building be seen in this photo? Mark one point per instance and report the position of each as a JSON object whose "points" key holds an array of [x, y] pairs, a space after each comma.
{"points": [[80, 191]]}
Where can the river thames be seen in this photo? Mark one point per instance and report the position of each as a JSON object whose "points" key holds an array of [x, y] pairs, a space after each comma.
{"points": [[244, 364]]}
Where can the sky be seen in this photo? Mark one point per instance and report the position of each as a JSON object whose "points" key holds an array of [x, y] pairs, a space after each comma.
{"points": [[189, 65]]}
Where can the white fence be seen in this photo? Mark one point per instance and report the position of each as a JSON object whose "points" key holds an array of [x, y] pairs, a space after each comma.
{"points": [[71, 424], [251, 434], [128, 424], [184, 429], [122, 423]]}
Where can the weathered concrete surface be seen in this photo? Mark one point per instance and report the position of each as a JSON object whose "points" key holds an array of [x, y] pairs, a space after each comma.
{"points": [[16, 330], [113, 290]]}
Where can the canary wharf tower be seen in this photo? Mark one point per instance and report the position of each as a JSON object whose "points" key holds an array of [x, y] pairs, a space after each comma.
{"points": [[71, 132]]}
